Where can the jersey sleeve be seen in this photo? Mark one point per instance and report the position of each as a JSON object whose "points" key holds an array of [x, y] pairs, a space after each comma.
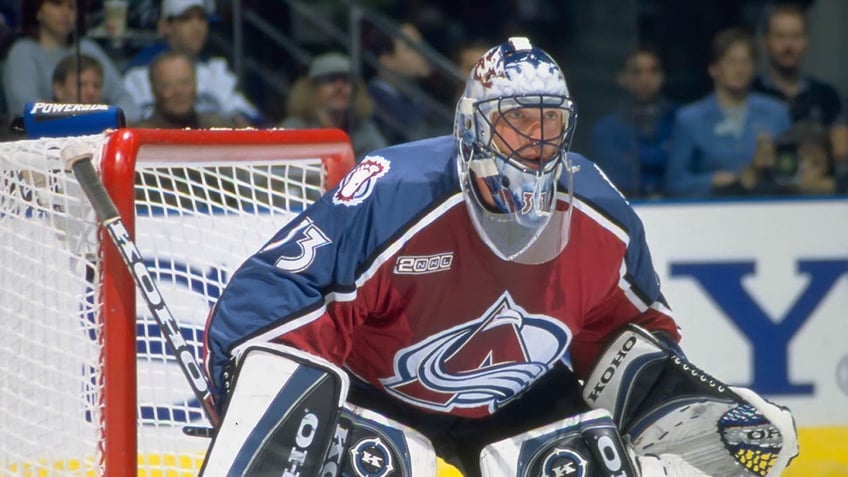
{"points": [[634, 293], [287, 290]]}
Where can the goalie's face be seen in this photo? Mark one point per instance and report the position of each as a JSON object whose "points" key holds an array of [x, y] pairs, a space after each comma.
{"points": [[520, 145], [531, 136]]}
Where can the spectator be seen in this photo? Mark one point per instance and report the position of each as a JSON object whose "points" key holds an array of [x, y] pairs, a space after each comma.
{"points": [[78, 80], [815, 173], [632, 144], [328, 98], [715, 138], [28, 72], [174, 81], [798, 162], [184, 27], [785, 42], [399, 114]]}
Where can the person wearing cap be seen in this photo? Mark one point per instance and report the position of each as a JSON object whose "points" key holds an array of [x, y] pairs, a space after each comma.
{"points": [[328, 97], [184, 27], [174, 82], [47, 27]]}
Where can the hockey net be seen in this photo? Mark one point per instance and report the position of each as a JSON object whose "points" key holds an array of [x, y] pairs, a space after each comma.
{"points": [[88, 386]]}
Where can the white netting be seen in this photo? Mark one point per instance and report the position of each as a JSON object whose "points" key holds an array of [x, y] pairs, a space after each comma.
{"points": [[200, 212], [48, 348]]}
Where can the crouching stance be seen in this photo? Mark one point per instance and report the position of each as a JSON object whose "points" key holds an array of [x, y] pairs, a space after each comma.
{"points": [[469, 285]]}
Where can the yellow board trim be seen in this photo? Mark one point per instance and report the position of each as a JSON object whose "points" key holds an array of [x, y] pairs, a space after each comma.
{"points": [[823, 453]]}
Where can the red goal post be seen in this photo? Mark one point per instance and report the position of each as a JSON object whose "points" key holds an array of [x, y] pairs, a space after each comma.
{"points": [[198, 202]]}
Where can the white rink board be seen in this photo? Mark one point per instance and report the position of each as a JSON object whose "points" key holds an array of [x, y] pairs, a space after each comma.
{"points": [[781, 267]]}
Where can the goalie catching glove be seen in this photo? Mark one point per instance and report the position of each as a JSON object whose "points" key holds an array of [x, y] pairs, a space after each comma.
{"points": [[664, 404]]}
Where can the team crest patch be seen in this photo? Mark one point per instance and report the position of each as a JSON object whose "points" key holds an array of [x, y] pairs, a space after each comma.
{"points": [[359, 182], [482, 364]]}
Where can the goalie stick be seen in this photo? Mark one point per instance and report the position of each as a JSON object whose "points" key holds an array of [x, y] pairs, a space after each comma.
{"points": [[77, 157]]}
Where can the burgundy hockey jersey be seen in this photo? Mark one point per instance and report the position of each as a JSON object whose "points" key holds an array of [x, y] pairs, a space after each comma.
{"points": [[387, 277]]}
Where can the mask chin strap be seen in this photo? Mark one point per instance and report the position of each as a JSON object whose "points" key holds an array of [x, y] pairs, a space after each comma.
{"points": [[486, 169]]}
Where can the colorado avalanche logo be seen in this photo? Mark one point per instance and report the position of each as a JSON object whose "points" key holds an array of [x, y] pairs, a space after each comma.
{"points": [[359, 182], [480, 365], [371, 458]]}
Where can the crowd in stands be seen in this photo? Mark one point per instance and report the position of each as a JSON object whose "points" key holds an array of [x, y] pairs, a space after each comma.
{"points": [[779, 132], [46, 37], [774, 130], [184, 27]]}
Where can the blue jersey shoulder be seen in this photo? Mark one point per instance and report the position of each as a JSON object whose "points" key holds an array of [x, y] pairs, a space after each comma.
{"points": [[427, 162], [422, 174], [592, 187], [386, 192]]}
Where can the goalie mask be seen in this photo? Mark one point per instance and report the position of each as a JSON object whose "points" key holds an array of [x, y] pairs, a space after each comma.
{"points": [[514, 123]]}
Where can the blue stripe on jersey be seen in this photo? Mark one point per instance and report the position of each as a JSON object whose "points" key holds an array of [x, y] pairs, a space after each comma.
{"points": [[593, 188]]}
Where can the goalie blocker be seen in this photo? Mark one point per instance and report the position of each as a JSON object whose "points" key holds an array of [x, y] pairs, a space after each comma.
{"points": [[286, 415], [664, 404]]}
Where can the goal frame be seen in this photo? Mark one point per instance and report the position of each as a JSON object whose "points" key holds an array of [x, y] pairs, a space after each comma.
{"points": [[122, 151]]}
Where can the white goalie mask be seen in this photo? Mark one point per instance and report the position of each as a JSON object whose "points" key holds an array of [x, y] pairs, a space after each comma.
{"points": [[514, 124]]}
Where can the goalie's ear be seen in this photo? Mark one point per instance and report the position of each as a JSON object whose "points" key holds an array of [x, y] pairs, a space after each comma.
{"points": [[281, 414]]}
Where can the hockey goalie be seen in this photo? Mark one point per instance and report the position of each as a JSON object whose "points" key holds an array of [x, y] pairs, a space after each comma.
{"points": [[486, 297]]}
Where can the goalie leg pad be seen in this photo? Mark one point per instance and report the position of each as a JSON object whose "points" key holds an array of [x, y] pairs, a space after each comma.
{"points": [[585, 444], [379, 446], [665, 404], [281, 414]]}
